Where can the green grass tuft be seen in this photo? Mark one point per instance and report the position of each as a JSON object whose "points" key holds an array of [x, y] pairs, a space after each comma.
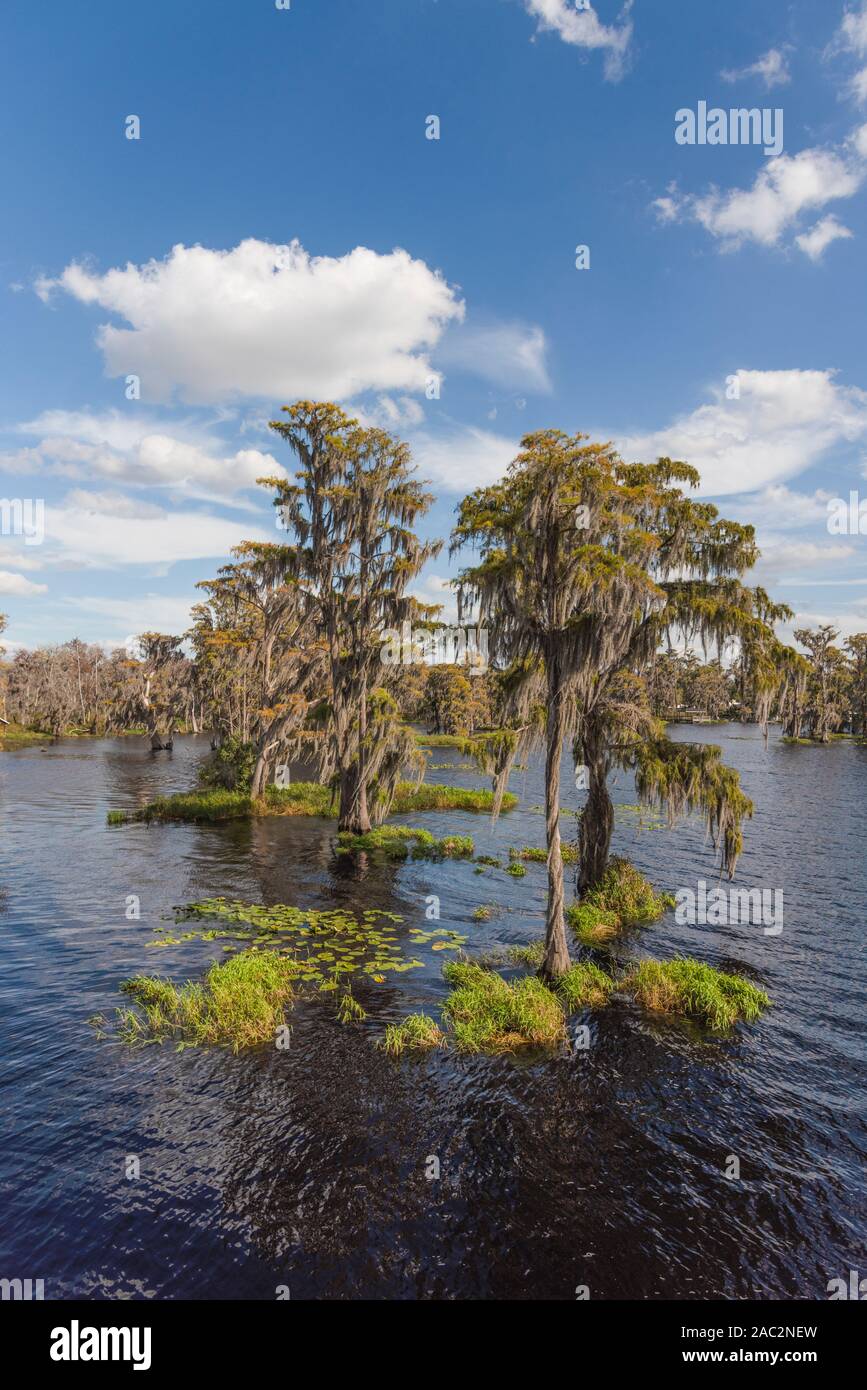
{"points": [[349, 1010], [584, 986], [624, 898], [415, 1033], [239, 1003], [696, 990], [395, 841], [302, 799], [517, 871], [483, 913], [488, 1015]]}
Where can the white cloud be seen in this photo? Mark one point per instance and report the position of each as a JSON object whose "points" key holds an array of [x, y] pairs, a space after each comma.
{"points": [[851, 37], [131, 450], [88, 531], [129, 616], [19, 586], [782, 423], [463, 459], [772, 68], [263, 320], [583, 28], [814, 242], [509, 354], [785, 188]]}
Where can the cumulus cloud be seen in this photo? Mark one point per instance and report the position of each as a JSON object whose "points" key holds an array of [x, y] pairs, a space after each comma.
{"points": [[782, 423], [851, 38], [130, 449], [101, 531], [264, 320], [814, 242], [785, 188], [463, 459], [581, 26], [772, 68], [20, 587]]}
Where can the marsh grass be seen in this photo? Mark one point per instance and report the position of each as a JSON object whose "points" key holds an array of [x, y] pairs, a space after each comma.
{"points": [[624, 898], [301, 799], [696, 990], [584, 986], [486, 1014], [396, 842], [415, 1033], [483, 913], [239, 1003], [568, 852], [517, 870], [349, 1010]]}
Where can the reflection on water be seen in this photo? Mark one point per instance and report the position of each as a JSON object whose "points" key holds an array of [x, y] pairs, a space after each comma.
{"points": [[307, 1167]]}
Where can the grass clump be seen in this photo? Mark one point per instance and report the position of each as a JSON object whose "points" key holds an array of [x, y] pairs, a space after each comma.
{"points": [[239, 1003], [530, 955], [212, 805], [488, 1015], [415, 1033], [301, 799], [483, 913], [517, 870], [490, 861], [568, 853], [349, 1010], [584, 986], [395, 841], [623, 898], [696, 990]]}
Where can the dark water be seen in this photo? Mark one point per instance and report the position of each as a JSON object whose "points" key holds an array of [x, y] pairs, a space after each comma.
{"points": [[306, 1168]]}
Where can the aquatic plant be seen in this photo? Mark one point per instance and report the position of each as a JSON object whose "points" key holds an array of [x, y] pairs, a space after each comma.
{"points": [[695, 989], [584, 985], [517, 870], [416, 1032], [568, 853], [482, 913], [622, 898], [349, 1010], [395, 841], [239, 1003], [490, 861], [300, 799], [486, 1014], [531, 955]]}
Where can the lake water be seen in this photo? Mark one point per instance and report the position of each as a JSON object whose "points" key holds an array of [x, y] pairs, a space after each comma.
{"points": [[306, 1168]]}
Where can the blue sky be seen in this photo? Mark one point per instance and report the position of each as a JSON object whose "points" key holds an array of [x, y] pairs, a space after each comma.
{"points": [[283, 227]]}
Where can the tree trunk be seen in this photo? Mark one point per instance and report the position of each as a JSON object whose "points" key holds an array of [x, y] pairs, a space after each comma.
{"points": [[556, 961], [353, 814], [597, 818]]}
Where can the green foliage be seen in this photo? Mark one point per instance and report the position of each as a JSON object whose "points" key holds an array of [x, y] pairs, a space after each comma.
{"points": [[490, 861], [517, 871], [415, 1033], [488, 1015], [584, 985], [301, 799], [349, 1010], [229, 767], [239, 1003], [695, 989], [482, 913], [622, 898], [395, 841], [568, 853], [530, 955]]}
